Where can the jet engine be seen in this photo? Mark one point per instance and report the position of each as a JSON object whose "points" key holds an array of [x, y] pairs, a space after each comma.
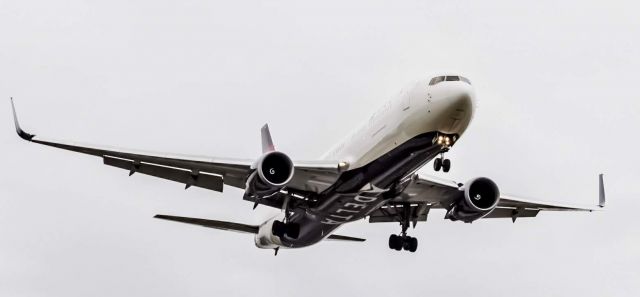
{"points": [[479, 197], [271, 232], [265, 239], [272, 171]]}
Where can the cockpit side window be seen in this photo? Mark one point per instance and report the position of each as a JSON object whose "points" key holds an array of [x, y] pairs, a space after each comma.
{"points": [[436, 80], [464, 79]]}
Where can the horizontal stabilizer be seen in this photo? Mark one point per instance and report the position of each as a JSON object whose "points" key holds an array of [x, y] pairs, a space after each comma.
{"points": [[345, 238], [222, 225], [242, 228]]}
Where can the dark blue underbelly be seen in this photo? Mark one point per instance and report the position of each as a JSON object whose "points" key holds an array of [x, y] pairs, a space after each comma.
{"points": [[359, 191]]}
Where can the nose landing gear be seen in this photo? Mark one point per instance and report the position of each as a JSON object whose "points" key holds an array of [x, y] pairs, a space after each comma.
{"points": [[441, 163], [445, 142]]}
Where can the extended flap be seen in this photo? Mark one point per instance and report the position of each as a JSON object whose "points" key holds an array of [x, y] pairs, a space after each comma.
{"points": [[189, 178]]}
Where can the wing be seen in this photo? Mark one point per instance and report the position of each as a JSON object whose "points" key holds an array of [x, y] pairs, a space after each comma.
{"points": [[428, 192], [199, 171]]}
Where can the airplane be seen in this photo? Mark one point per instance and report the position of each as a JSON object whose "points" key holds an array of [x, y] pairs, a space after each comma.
{"points": [[371, 175]]}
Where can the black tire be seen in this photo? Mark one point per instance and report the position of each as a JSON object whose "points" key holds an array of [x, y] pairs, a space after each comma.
{"points": [[437, 164], [395, 242], [278, 228], [392, 241], [446, 165], [398, 244], [413, 244], [293, 230]]}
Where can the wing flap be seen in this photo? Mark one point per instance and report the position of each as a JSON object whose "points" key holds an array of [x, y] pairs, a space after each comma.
{"points": [[187, 177], [512, 213], [393, 213]]}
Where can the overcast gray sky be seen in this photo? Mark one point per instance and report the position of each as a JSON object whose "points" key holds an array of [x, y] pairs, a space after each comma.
{"points": [[557, 85]]}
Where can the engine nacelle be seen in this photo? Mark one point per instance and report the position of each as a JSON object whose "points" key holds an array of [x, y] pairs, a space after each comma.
{"points": [[479, 198], [272, 171], [265, 239]]}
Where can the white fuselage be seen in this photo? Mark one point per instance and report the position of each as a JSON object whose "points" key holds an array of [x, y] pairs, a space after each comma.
{"points": [[443, 108], [446, 107]]}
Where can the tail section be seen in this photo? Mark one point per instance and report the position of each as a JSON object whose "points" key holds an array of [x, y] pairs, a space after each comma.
{"points": [[221, 225], [267, 142], [602, 197], [237, 227]]}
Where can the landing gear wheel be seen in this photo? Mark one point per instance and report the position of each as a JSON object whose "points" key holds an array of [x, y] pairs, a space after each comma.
{"points": [[403, 241], [413, 244], [437, 164], [392, 241], [395, 242], [446, 165], [406, 242]]}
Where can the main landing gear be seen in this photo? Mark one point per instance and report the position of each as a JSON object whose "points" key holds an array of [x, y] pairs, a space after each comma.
{"points": [[403, 241], [287, 228], [399, 242], [441, 163]]}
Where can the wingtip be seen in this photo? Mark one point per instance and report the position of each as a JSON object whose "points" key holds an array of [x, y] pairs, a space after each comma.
{"points": [[24, 135]]}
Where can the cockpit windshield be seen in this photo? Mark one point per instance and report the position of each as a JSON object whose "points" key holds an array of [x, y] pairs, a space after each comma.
{"points": [[439, 79], [452, 78]]}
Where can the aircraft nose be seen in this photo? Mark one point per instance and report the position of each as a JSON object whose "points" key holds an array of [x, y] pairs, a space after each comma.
{"points": [[455, 107], [460, 93]]}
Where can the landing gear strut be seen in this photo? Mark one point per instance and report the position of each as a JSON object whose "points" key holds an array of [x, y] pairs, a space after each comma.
{"points": [[403, 241], [441, 163]]}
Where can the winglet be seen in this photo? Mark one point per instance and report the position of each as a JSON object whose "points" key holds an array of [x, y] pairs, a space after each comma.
{"points": [[21, 133], [603, 199], [267, 142]]}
